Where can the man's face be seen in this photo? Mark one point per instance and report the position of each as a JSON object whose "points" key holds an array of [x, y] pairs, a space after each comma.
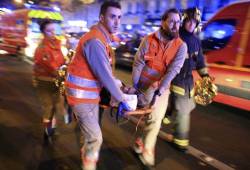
{"points": [[172, 24], [49, 30], [190, 25], [112, 19]]}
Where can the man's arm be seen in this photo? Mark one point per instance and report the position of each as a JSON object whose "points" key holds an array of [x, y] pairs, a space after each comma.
{"points": [[201, 63], [139, 61], [97, 58], [174, 68]]}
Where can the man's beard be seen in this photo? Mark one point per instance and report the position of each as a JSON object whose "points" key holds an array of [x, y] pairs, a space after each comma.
{"points": [[167, 34]]}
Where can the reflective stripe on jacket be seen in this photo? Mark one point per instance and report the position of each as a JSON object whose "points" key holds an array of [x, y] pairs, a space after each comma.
{"points": [[82, 86], [157, 59], [181, 91]]}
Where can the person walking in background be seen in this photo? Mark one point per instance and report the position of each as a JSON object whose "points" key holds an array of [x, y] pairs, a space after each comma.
{"points": [[90, 70], [47, 60], [182, 87], [158, 60]]}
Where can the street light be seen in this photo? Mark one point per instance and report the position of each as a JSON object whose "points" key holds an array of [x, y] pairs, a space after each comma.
{"points": [[18, 1]]}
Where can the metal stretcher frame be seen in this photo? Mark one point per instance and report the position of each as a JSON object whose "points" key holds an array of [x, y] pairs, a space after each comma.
{"points": [[142, 111]]}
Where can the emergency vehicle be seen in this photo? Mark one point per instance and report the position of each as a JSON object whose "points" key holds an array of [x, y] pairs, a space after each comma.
{"points": [[19, 29], [226, 45]]}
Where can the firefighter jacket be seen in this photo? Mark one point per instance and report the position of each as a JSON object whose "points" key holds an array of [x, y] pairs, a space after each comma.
{"points": [[183, 82], [90, 69], [157, 62], [48, 58]]}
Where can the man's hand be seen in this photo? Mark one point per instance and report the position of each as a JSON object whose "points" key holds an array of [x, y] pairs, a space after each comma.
{"points": [[123, 106], [205, 75]]}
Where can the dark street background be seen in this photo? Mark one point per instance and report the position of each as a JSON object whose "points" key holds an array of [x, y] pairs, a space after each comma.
{"points": [[219, 131]]}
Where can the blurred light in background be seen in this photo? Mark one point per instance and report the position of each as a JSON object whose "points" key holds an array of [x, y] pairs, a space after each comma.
{"points": [[77, 23], [219, 34], [56, 8], [27, 5], [5, 10], [154, 28], [30, 2], [87, 1], [129, 26], [228, 79], [18, 1], [3, 52]]}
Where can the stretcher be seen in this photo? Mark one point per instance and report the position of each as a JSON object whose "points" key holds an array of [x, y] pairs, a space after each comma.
{"points": [[138, 112]]}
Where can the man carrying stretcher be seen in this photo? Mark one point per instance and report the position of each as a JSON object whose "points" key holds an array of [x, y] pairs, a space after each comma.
{"points": [[158, 60]]}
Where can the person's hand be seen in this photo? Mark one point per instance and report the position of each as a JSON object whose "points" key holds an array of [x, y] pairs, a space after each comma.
{"points": [[205, 75], [123, 106], [208, 78]]}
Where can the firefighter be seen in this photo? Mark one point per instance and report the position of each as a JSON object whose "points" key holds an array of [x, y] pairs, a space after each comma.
{"points": [[89, 70], [182, 87], [158, 60], [47, 60]]}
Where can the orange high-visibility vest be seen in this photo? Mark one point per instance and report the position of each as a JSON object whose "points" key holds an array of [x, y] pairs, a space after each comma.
{"points": [[82, 86], [157, 60], [47, 59]]}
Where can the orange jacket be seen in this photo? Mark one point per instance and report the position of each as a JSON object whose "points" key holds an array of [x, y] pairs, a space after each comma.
{"points": [[157, 59], [82, 86], [48, 58]]}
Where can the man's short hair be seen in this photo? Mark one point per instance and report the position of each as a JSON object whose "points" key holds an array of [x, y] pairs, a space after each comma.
{"points": [[167, 12], [43, 24], [107, 4]]}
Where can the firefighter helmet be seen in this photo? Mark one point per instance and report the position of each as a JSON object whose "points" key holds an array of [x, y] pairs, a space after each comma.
{"points": [[192, 13]]}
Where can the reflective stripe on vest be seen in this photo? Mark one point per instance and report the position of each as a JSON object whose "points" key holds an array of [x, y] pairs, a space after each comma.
{"points": [[81, 94], [82, 82]]}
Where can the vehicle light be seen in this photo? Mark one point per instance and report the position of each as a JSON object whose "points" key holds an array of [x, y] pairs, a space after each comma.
{"points": [[3, 52], [229, 80], [129, 27]]}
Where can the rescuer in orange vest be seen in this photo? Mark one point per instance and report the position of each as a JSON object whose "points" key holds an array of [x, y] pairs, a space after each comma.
{"points": [[158, 60], [47, 60], [90, 70]]}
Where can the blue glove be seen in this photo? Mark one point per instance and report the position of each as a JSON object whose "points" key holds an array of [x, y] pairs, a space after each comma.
{"points": [[123, 106]]}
